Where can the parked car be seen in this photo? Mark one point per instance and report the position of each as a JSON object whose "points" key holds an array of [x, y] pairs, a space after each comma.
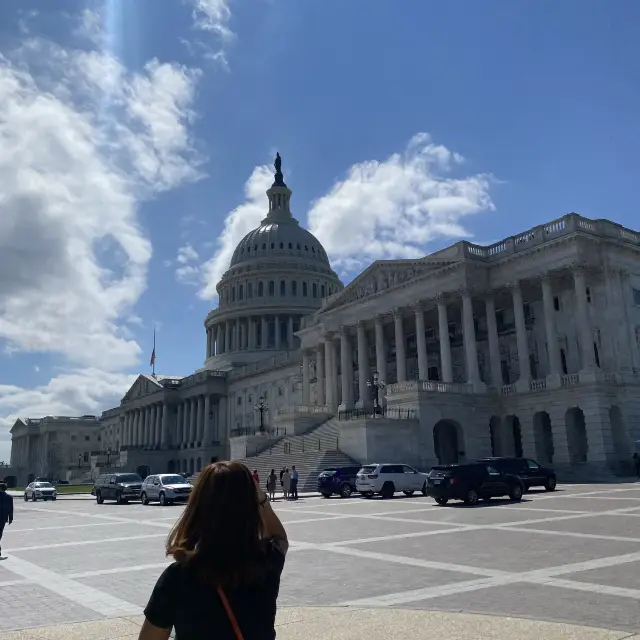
{"points": [[120, 487], [338, 480], [40, 491], [471, 482], [532, 473], [387, 479], [165, 488]]}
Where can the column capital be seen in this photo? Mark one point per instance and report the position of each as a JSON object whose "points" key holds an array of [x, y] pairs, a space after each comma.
{"points": [[328, 336], [546, 278], [379, 319], [578, 267], [361, 324], [465, 291], [514, 285], [442, 297], [398, 312], [345, 331], [419, 306]]}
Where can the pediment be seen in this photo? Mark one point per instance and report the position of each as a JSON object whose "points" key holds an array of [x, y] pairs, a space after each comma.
{"points": [[385, 275], [143, 386]]}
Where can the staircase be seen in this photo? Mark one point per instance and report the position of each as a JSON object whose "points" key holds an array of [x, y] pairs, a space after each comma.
{"points": [[310, 453]]}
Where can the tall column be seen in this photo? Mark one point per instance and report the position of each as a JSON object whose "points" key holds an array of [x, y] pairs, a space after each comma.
{"points": [[290, 332], [227, 336], [346, 367], [159, 420], [219, 348], [321, 398], [445, 344], [625, 290], [264, 339], [494, 345], [151, 426], [381, 351], [421, 344], [208, 342], [164, 434], [553, 350], [524, 366], [306, 379], [401, 360], [252, 333], [200, 419], [179, 424], [193, 417], [186, 416], [585, 336], [470, 347], [223, 420], [363, 366], [276, 329], [330, 361], [206, 431]]}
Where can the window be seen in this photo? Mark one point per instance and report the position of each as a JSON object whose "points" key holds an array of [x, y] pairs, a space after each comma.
{"points": [[233, 294], [596, 354], [282, 245], [492, 471], [264, 246], [283, 288], [588, 292], [314, 290], [322, 291], [273, 244], [260, 289], [87, 438], [250, 398], [532, 465], [306, 247], [272, 288], [239, 401], [73, 438], [636, 297], [250, 290], [563, 361], [407, 469], [241, 292], [294, 288], [290, 245], [305, 291], [298, 246], [556, 303]]}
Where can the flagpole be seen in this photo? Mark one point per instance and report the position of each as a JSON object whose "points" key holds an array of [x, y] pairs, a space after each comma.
{"points": [[153, 360]]}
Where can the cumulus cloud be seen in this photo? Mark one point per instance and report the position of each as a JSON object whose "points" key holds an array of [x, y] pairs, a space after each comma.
{"points": [[82, 142], [392, 208], [211, 17], [237, 224], [71, 393], [187, 271], [380, 210]]}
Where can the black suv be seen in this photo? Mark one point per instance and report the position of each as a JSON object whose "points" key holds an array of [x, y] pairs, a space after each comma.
{"points": [[120, 487], [340, 480], [532, 473], [471, 482]]}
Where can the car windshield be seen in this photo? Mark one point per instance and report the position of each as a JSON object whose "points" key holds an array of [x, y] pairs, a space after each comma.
{"points": [[328, 472], [173, 480], [130, 477], [368, 469], [44, 485]]}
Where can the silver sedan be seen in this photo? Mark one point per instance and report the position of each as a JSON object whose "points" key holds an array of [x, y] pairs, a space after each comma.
{"points": [[40, 491]]}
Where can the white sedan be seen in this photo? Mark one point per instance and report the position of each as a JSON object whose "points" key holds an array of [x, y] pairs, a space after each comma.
{"points": [[40, 491]]}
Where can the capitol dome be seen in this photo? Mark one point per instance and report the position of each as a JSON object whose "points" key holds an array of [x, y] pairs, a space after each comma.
{"points": [[279, 273]]}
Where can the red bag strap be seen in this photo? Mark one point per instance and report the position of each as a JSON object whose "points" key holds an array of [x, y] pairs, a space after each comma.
{"points": [[230, 614]]}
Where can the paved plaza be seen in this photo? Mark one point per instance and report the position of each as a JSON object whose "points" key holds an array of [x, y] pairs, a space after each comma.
{"points": [[570, 557]]}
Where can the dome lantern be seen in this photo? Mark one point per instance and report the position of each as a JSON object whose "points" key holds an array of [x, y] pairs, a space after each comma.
{"points": [[279, 196]]}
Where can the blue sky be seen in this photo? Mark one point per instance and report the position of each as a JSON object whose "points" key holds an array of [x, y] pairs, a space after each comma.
{"points": [[134, 136]]}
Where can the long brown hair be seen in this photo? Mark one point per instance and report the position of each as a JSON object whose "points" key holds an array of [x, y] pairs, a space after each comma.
{"points": [[220, 532]]}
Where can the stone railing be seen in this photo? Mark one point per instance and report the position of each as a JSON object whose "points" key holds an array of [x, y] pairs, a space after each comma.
{"points": [[538, 385], [430, 386], [570, 223], [302, 408], [202, 376], [390, 413], [570, 380], [268, 364]]}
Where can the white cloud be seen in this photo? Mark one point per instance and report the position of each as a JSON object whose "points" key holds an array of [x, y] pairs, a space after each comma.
{"points": [[186, 254], [211, 17], [391, 209], [82, 142], [236, 225], [71, 393]]}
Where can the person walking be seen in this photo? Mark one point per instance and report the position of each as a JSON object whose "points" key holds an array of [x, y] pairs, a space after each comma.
{"points": [[6, 511], [281, 474], [286, 483], [294, 483], [229, 548], [272, 481]]}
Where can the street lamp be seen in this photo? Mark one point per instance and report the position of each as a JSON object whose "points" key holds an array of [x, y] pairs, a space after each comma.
{"points": [[261, 407], [375, 385], [79, 459], [109, 457]]}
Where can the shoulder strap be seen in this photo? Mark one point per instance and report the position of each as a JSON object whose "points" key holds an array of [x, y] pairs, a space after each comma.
{"points": [[230, 614]]}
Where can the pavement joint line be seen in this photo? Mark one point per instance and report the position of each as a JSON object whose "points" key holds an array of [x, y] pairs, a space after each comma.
{"points": [[575, 534], [66, 526], [117, 570], [623, 592], [83, 543], [88, 597]]}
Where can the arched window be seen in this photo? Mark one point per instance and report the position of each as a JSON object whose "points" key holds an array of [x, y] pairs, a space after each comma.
{"points": [[249, 289], [240, 292], [314, 290], [260, 289], [294, 288], [283, 288], [305, 291], [272, 288], [322, 291]]}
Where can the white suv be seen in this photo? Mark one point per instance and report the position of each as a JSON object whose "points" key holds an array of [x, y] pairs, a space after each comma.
{"points": [[166, 488], [387, 479]]}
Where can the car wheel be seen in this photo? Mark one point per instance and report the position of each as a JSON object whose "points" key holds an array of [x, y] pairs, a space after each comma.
{"points": [[471, 497], [388, 489], [515, 493], [442, 501], [408, 493], [119, 498], [54, 499], [326, 495], [144, 499], [345, 490], [33, 498], [525, 488], [550, 484], [163, 499], [25, 498], [424, 489], [99, 499]]}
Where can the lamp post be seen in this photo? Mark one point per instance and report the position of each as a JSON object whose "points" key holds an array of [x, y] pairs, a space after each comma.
{"points": [[79, 459], [375, 385], [109, 457], [261, 407]]}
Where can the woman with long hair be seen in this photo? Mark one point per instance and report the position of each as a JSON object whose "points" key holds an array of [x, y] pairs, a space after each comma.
{"points": [[229, 549]]}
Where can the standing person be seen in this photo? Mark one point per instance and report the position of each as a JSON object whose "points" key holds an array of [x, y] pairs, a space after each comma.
{"points": [[294, 483], [636, 462], [286, 483], [272, 481], [281, 474], [229, 549], [256, 477], [6, 510]]}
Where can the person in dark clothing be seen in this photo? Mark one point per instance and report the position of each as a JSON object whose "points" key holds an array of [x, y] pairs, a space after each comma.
{"points": [[229, 548], [6, 510], [636, 462]]}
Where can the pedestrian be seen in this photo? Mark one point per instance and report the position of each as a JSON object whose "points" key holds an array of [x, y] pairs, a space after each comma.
{"points": [[256, 477], [636, 462], [281, 474], [272, 481], [229, 548], [6, 511], [294, 483], [286, 483]]}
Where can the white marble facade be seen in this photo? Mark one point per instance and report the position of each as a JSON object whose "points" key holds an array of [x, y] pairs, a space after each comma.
{"points": [[529, 346]]}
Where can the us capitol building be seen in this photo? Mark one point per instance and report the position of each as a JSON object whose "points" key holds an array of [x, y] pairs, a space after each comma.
{"points": [[526, 347]]}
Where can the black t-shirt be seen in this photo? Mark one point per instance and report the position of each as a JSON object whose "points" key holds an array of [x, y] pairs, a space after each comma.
{"points": [[182, 601]]}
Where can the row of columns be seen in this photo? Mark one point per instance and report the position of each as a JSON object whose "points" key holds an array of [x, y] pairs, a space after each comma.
{"points": [[241, 334], [327, 374], [196, 416], [146, 426]]}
